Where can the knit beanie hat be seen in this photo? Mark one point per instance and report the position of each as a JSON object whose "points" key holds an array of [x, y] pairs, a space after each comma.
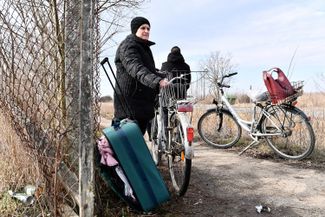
{"points": [[137, 22], [175, 49]]}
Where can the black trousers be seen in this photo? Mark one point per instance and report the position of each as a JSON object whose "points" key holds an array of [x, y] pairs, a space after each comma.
{"points": [[143, 125]]}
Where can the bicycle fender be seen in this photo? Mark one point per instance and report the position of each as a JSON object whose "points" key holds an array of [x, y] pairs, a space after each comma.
{"points": [[296, 109], [185, 122]]}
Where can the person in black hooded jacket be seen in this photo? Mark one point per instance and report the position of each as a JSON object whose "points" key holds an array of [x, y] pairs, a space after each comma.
{"points": [[136, 75], [176, 66]]}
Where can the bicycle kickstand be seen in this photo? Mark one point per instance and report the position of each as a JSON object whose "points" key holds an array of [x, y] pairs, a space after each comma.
{"points": [[254, 143]]}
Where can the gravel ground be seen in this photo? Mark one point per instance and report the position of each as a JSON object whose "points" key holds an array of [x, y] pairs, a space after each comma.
{"points": [[225, 184]]}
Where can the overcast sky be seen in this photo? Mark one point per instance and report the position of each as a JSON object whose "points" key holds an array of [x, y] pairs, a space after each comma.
{"points": [[258, 34]]}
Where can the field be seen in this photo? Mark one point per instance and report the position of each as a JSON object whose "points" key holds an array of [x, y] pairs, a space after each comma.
{"points": [[313, 104]]}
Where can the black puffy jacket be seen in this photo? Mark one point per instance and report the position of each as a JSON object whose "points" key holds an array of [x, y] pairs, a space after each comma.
{"points": [[137, 77]]}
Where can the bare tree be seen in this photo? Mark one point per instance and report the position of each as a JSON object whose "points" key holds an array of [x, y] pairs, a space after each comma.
{"points": [[216, 65]]}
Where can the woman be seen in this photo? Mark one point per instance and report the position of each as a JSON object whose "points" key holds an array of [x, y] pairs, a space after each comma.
{"points": [[136, 75]]}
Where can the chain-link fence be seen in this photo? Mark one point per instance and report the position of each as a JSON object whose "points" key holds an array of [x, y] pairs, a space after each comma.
{"points": [[49, 87]]}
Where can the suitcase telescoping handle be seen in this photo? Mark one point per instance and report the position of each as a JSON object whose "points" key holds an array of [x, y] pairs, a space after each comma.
{"points": [[122, 100]]}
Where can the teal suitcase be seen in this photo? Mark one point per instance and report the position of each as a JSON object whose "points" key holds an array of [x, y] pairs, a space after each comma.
{"points": [[134, 158]]}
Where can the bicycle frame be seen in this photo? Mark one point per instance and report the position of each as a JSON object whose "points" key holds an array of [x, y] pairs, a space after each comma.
{"points": [[243, 123], [185, 122], [250, 126], [161, 134]]}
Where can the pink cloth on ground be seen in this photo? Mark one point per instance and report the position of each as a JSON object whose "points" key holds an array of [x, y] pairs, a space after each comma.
{"points": [[106, 152]]}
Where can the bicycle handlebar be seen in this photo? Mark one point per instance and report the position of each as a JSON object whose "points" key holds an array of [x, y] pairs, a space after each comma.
{"points": [[224, 85], [231, 74], [220, 83], [175, 78]]}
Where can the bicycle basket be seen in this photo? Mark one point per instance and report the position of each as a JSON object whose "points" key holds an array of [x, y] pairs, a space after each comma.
{"points": [[280, 89], [298, 91], [172, 93]]}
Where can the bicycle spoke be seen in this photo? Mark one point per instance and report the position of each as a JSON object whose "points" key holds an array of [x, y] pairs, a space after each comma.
{"points": [[179, 166], [295, 139], [219, 129]]}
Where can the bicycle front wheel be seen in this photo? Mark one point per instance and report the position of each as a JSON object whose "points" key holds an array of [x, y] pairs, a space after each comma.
{"points": [[219, 128], [293, 136], [179, 166], [155, 148]]}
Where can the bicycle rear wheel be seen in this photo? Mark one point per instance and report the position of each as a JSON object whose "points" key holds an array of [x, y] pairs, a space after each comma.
{"points": [[155, 148], [179, 166], [219, 128], [295, 139]]}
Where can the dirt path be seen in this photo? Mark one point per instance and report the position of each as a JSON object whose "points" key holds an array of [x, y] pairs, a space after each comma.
{"points": [[225, 184]]}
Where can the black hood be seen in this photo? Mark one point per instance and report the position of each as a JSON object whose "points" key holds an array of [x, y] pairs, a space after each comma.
{"points": [[175, 57]]}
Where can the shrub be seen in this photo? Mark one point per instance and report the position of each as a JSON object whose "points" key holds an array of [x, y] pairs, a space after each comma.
{"points": [[105, 99], [243, 98]]}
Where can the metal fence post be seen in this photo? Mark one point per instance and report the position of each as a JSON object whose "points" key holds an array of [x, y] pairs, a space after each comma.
{"points": [[86, 139], [72, 41]]}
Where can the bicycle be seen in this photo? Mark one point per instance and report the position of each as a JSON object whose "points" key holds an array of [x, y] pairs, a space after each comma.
{"points": [[172, 135], [286, 128]]}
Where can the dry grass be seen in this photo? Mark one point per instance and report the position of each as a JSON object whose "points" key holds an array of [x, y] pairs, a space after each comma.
{"points": [[312, 100], [309, 103], [107, 110], [17, 169], [16, 166], [313, 104]]}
